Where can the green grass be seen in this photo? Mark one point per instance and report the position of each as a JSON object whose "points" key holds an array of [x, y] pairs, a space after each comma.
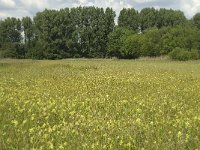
{"points": [[99, 104]]}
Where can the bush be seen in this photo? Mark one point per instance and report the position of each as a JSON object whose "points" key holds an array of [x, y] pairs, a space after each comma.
{"points": [[8, 50], [151, 44], [131, 48], [116, 40], [183, 55], [194, 54], [36, 52]]}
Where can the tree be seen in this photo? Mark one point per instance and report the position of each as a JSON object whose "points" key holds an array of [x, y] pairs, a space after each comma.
{"points": [[148, 18], [196, 20], [129, 18], [11, 30], [91, 32], [183, 55], [152, 42], [169, 17], [28, 29], [29, 35], [92, 26], [1, 33], [185, 37], [53, 32], [131, 47], [109, 26], [10, 33], [116, 39]]}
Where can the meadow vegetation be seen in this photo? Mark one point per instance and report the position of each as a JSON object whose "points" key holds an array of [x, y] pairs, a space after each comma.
{"points": [[99, 104]]}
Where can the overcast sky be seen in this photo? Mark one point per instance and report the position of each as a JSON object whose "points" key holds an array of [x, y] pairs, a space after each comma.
{"points": [[19, 8]]}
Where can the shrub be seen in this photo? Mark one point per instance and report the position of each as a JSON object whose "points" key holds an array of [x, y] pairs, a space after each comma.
{"points": [[9, 50], [185, 37], [116, 40], [183, 55], [36, 52], [151, 44], [194, 54], [131, 47]]}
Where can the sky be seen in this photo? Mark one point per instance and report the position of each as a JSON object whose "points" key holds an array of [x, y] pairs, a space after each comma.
{"points": [[21, 8]]}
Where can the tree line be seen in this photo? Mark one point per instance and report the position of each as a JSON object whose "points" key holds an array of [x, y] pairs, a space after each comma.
{"points": [[91, 32]]}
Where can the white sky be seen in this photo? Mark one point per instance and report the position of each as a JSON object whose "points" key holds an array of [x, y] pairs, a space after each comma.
{"points": [[20, 8]]}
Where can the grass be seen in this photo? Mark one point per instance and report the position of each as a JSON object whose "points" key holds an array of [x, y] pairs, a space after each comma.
{"points": [[99, 104]]}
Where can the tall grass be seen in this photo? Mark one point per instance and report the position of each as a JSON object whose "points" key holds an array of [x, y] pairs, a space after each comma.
{"points": [[99, 104]]}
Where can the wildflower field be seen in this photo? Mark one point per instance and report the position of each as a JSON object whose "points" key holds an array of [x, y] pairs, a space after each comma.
{"points": [[99, 104]]}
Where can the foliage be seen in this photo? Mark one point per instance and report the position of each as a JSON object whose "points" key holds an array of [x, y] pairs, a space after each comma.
{"points": [[147, 44], [12, 50], [10, 36], [116, 40], [169, 17], [36, 52], [7, 51], [131, 47], [49, 24], [28, 29], [11, 30], [196, 20], [184, 37], [152, 42], [84, 31], [90, 32], [184, 55], [129, 18], [148, 18]]}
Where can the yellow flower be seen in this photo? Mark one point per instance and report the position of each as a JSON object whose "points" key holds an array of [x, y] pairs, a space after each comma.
{"points": [[50, 145], [179, 135], [15, 122], [61, 147]]}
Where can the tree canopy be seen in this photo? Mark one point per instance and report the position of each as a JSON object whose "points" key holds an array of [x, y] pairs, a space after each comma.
{"points": [[91, 32]]}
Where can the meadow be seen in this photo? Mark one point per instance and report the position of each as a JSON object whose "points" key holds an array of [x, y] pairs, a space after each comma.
{"points": [[99, 104]]}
